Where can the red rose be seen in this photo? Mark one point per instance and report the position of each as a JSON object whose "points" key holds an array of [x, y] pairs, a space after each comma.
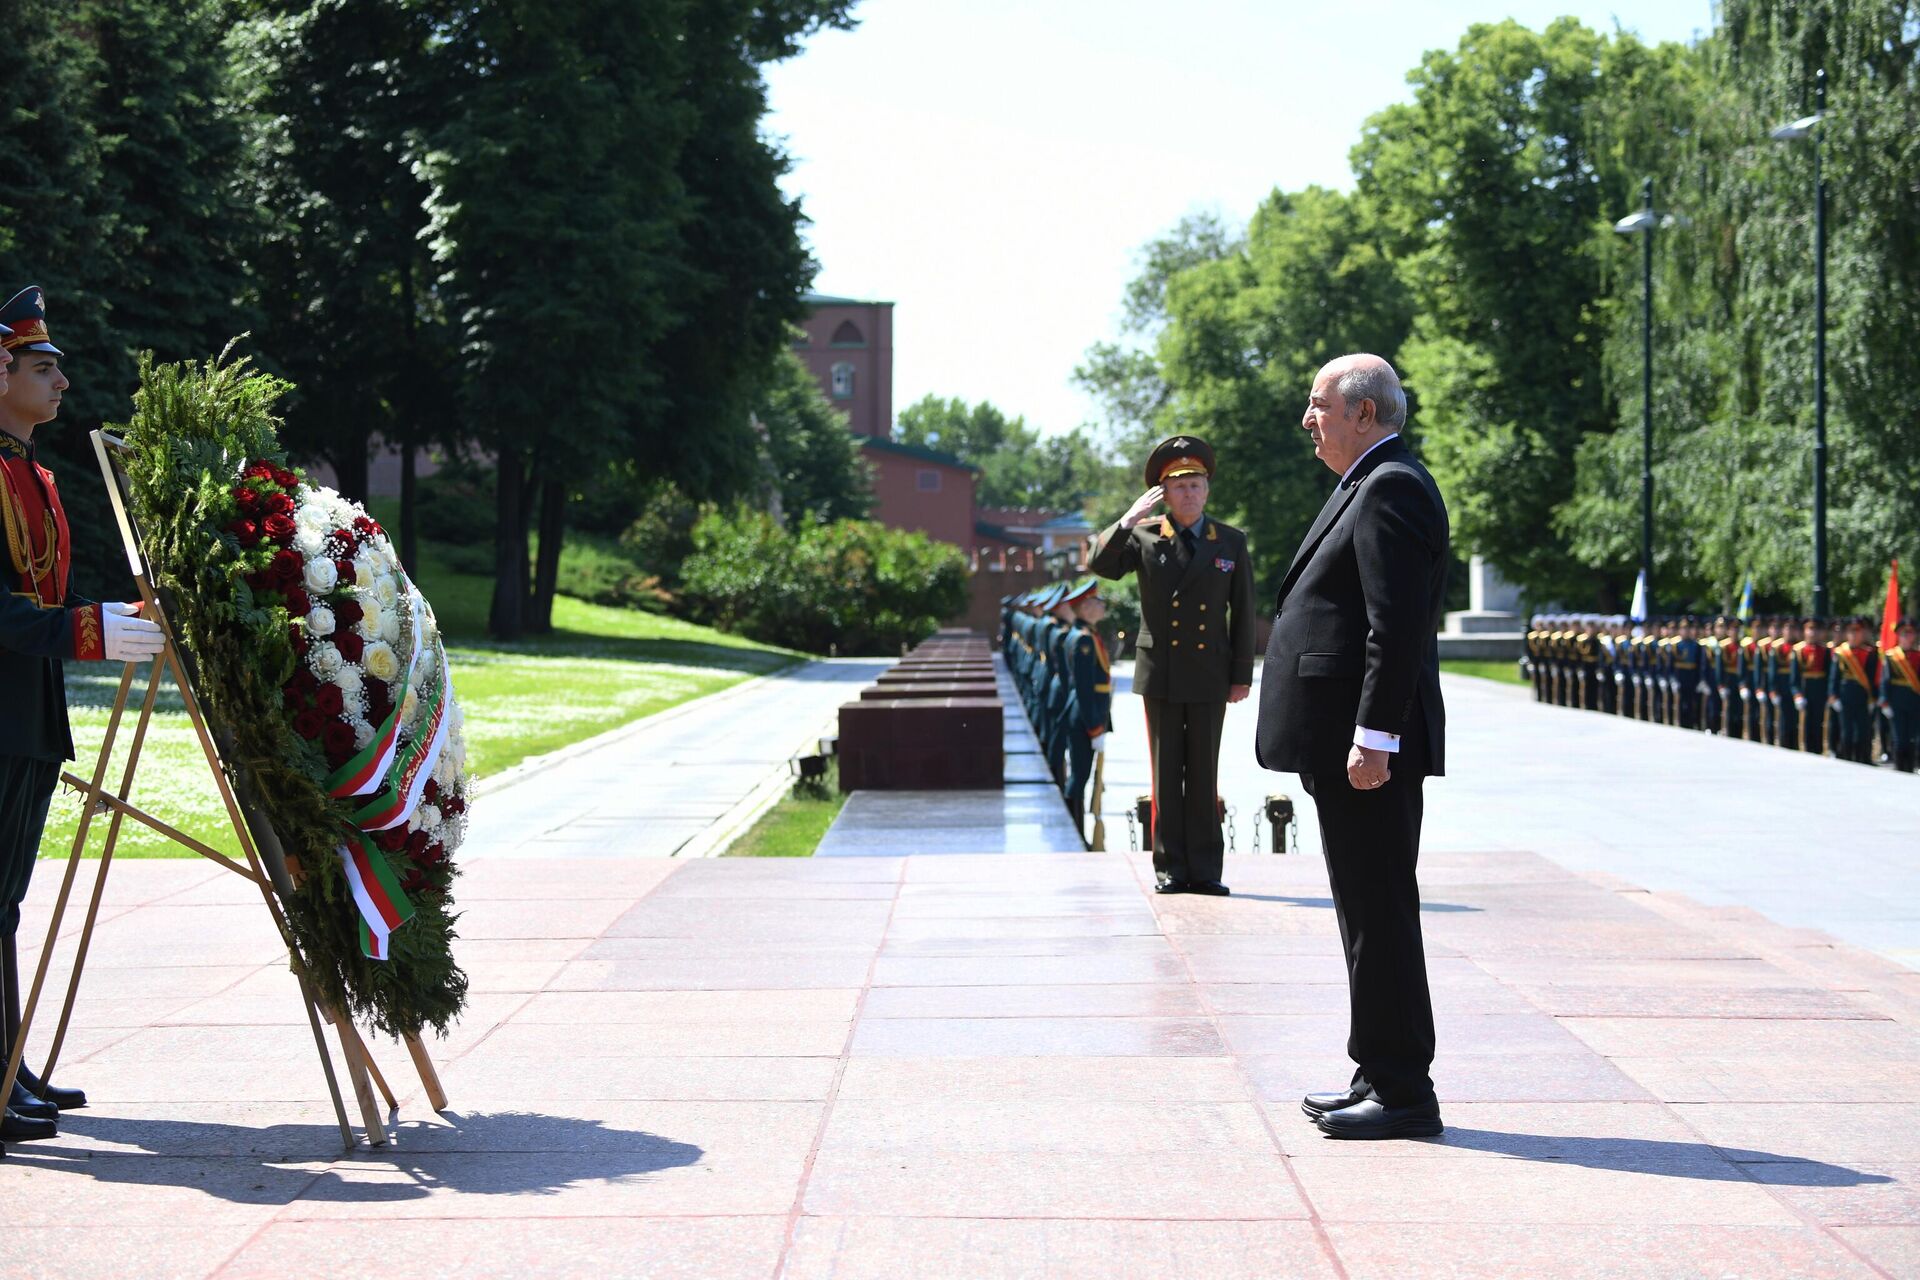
{"points": [[393, 839], [337, 738], [286, 568], [258, 471], [379, 702], [350, 645], [433, 855], [348, 613], [416, 844], [291, 698], [310, 724], [345, 567], [431, 792], [247, 498], [305, 681], [454, 805], [414, 881], [246, 531], [277, 504], [329, 700], [301, 644], [298, 601], [285, 479], [279, 528]]}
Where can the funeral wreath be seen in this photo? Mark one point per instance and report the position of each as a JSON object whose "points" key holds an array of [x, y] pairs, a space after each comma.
{"points": [[320, 667]]}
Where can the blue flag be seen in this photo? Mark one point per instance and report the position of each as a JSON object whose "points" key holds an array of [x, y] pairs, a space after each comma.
{"points": [[1746, 601]]}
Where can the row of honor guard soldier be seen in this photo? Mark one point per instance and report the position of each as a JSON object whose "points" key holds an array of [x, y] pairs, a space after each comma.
{"points": [[1786, 682], [43, 624], [1193, 655], [1054, 652]]}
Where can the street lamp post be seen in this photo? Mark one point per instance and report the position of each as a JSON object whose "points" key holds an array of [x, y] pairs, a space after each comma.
{"points": [[1642, 224], [1807, 129]]}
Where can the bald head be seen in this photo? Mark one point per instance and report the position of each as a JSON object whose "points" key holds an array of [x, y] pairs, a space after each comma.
{"points": [[1356, 402]]}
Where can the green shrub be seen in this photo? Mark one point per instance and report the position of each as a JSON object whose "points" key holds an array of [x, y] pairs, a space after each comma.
{"points": [[596, 570], [456, 505], [660, 541], [853, 584]]}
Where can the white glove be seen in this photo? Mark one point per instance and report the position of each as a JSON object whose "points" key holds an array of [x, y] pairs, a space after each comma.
{"points": [[1100, 744], [129, 637]]}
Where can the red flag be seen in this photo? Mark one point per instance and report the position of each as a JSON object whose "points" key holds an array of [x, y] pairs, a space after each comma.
{"points": [[1890, 616]]}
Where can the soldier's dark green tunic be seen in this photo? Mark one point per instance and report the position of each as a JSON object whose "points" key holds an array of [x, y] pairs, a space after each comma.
{"points": [[1089, 711], [1195, 643]]}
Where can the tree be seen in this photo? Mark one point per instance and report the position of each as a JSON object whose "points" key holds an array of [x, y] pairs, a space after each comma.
{"points": [[1018, 466], [813, 462]]}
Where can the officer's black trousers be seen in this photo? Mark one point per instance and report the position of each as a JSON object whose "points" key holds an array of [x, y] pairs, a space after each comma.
{"points": [[1079, 773], [26, 789], [1372, 841], [1183, 741]]}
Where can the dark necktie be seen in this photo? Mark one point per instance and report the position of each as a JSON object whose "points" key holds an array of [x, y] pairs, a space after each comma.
{"points": [[1188, 546]]}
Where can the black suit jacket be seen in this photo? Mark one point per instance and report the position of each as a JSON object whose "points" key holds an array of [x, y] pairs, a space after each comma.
{"points": [[1354, 626], [1196, 622]]}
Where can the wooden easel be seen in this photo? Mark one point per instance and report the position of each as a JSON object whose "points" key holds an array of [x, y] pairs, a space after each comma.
{"points": [[264, 865], [1098, 843]]}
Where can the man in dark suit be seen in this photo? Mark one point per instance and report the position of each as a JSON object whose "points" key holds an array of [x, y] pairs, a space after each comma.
{"points": [[1350, 700], [1193, 656]]}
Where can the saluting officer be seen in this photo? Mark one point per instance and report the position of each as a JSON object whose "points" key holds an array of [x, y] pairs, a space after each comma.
{"points": [[42, 624], [1194, 653]]}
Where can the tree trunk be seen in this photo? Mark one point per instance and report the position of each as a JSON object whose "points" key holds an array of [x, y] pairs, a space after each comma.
{"points": [[506, 619], [350, 470], [553, 524], [409, 543]]}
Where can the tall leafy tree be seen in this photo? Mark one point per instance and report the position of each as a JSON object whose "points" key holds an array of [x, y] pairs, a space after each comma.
{"points": [[812, 460], [1019, 467]]}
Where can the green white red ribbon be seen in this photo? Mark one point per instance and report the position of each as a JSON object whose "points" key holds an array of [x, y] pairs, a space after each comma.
{"points": [[376, 890]]}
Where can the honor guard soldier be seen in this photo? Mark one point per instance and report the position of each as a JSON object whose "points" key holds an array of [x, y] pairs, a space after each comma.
{"points": [[1620, 646], [1053, 709], [42, 625], [1786, 717], [1753, 700], [1810, 664], [1194, 653], [1723, 665], [1586, 663], [1900, 696], [1090, 695], [1689, 672], [1856, 688], [1535, 666]]}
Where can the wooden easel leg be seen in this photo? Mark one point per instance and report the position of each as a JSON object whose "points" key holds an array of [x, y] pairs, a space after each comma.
{"points": [[12, 1072], [373, 1068], [362, 1087], [100, 878], [326, 1059], [436, 1096]]}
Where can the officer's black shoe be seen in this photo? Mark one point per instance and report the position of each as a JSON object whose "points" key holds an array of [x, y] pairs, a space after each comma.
{"points": [[1164, 883], [25, 1104], [1373, 1119], [15, 1127], [62, 1098], [1212, 888], [1318, 1104]]}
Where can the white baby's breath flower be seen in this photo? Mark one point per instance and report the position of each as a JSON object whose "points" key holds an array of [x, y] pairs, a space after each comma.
{"points": [[325, 660], [429, 816], [320, 576], [320, 621]]}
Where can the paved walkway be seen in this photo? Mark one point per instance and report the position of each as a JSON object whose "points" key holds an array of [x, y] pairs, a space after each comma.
{"points": [[1813, 843], [665, 785], [987, 1067]]}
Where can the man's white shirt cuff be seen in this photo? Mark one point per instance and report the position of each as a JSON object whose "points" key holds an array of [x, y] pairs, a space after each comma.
{"points": [[1374, 740]]}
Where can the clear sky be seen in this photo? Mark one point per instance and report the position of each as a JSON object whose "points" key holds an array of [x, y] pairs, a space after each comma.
{"points": [[993, 166]]}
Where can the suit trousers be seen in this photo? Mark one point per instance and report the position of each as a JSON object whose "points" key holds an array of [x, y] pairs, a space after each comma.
{"points": [[1372, 841], [26, 789], [1183, 743]]}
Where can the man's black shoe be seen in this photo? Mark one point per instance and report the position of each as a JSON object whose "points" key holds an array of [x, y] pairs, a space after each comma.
{"points": [[25, 1104], [15, 1127], [1318, 1104], [1373, 1119], [1164, 883], [1212, 888], [64, 1099]]}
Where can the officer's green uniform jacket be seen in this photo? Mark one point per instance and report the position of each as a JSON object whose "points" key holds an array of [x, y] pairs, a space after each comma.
{"points": [[1090, 706], [1196, 622]]}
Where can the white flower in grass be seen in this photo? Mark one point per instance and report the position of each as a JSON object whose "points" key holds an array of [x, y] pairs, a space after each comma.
{"points": [[381, 662], [320, 576], [325, 660], [320, 621]]}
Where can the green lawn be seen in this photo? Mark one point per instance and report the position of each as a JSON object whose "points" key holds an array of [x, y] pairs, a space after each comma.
{"points": [[1504, 672], [793, 827], [601, 668]]}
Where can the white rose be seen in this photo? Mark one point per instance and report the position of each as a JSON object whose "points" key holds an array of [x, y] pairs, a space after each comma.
{"points": [[353, 705], [362, 735], [381, 662], [369, 618], [390, 628], [320, 621], [409, 709], [362, 573], [350, 681], [429, 816], [310, 517], [386, 591], [325, 660], [309, 542], [321, 577]]}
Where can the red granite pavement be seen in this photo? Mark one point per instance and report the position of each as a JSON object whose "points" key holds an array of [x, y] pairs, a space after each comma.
{"points": [[986, 1067]]}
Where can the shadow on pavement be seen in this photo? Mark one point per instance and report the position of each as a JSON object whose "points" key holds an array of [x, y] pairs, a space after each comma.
{"points": [[1327, 903], [498, 1153], [1661, 1158]]}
